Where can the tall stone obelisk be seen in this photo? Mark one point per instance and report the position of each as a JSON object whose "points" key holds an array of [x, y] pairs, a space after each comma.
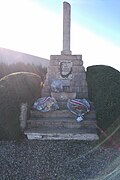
{"points": [[66, 28], [66, 70]]}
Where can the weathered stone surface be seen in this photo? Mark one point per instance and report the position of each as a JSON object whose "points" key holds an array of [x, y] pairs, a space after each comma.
{"points": [[82, 95], [23, 115], [66, 28], [78, 69], [77, 63], [83, 89], [77, 82], [66, 57], [63, 96], [62, 136], [54, 62]]}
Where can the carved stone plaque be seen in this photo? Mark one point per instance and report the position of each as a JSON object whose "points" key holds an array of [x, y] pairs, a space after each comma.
{"points": [[66, 69]]}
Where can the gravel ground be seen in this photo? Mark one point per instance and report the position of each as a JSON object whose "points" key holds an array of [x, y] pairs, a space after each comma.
{"points": [[57, 160]]}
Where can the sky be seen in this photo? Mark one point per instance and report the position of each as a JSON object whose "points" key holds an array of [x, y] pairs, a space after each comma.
{"points": [[35, 27]]}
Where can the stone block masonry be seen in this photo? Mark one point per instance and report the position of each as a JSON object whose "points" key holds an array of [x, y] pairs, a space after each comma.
{"points": [[69, 69]]}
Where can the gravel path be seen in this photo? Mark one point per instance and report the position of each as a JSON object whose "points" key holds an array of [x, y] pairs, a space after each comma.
{"points": [[56, 160]]}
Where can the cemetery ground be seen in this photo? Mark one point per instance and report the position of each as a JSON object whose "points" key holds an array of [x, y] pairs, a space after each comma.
{"points": [[62, 159], [57, 159]]}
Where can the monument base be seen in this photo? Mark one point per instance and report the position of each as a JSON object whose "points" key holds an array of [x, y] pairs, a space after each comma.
{"points": [[63, 96]]}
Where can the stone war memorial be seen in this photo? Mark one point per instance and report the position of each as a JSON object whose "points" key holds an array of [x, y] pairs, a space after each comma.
{"points": [[66, 67], [65, 83]]}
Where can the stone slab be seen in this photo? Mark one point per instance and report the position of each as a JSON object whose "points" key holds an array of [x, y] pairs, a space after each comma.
{"points": [[66, 57], [63, 96], [67, 122], [60, 113], [59, 136]]}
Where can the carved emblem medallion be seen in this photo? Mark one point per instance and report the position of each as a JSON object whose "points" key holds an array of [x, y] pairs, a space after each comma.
{"points": [[66, 69]]}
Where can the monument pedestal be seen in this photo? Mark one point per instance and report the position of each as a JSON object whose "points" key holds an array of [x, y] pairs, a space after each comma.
{"points": [[63, 96], [70, 71]]}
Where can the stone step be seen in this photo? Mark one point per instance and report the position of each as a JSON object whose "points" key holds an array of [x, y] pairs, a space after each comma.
{"points": [[67, 122], [61, 134], [57, 113], [61, 125], [60, 113]]}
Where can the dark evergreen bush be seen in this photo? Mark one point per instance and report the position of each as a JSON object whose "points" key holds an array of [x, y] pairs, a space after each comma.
{"points": [[104, 91], [15, 89]]}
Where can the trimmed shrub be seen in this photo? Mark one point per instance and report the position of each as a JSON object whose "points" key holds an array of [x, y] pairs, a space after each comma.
{"points": [[104, 91], [15, 89], [6, 69]]}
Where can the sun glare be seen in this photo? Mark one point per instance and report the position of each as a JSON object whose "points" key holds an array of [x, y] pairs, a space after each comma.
{"points": [[31, 28], [24, 25]]}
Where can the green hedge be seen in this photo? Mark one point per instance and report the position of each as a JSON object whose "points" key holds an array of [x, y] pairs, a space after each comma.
{"points": [[104, 91], [6, 69], [15, 89]]}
